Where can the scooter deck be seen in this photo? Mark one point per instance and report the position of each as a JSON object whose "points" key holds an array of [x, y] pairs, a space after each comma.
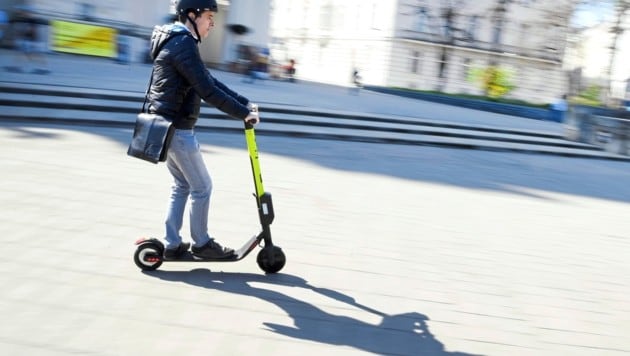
{"points": [[189, 257], [238, 254]]}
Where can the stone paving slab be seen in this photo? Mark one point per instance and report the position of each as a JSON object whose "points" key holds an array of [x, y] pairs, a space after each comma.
{"points": [[392, 250]]}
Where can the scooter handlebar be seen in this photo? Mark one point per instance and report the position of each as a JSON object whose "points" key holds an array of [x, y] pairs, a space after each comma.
{"points": [[249, 124]]}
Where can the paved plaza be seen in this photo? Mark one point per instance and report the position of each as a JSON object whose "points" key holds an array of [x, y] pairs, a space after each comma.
{"points": [[392, 250]]}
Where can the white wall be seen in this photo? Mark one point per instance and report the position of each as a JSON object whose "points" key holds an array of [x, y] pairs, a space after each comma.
{"points": [[254, 14], [329, 38]]}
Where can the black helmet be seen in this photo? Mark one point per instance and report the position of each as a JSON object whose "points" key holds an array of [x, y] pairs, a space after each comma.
{"points": [[197, 6], [183, 7]]}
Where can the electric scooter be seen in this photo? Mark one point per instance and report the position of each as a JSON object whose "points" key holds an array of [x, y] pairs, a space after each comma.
{"points": [[271, 259]]}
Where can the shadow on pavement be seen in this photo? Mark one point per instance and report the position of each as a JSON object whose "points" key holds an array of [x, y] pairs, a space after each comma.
{"points": [[529, 175], [403, 334]]}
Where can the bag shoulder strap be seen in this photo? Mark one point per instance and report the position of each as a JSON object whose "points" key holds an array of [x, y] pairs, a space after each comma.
{"points": [[146, 94]]}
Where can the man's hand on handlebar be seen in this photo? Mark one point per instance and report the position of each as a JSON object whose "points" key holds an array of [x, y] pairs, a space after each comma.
{"points": [[253, 118]]}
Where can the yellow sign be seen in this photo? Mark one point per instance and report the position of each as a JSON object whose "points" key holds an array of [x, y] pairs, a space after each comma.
{"points": [[72, 37]]}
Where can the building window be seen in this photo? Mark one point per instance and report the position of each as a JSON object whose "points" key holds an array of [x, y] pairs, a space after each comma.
{"points": [[497, 28], [442, 63], [465, 68], [524, 35], [472, 27], [86, 10], [376, 24], [447, 26], [415, 62], [422, 20], [326, 17]]}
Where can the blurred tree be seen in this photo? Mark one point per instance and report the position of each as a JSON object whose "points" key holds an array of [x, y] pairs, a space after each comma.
{"points": [[589, 96], [620, 23], [495, 81]]}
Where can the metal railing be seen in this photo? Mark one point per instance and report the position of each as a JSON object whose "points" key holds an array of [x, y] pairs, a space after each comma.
{"points": [[611, 134]]}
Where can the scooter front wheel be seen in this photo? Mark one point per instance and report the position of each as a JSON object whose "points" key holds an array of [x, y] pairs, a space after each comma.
{"points": [[271, 259], [148, 256]]}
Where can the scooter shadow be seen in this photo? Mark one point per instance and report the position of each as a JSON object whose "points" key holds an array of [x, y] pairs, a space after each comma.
{"points": [[402, 334]]}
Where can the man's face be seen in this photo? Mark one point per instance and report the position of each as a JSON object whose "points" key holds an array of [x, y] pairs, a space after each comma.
{"points": [[205, 22]]}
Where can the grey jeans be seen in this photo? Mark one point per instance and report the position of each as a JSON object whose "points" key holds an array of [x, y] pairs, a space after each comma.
{"points": [[191, 179]]}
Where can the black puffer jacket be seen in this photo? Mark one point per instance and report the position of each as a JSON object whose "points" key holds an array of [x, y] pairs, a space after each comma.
{"points": [[181, 80]]}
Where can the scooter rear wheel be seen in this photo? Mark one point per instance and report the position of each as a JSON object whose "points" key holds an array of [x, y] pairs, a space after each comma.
{"points": [[271, 259], [148, 256]]}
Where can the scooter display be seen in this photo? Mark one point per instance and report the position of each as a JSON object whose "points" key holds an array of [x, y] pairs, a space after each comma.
{"points": [[271, 259]]}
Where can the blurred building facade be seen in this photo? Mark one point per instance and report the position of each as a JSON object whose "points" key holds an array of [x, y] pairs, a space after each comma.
{"points": [[418, 44], [128, 25], [427, 44]]}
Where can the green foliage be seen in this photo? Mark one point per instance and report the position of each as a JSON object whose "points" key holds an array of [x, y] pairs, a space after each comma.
{"points": [[590, 96], [495, 81], [593, 92], [477, 97]]}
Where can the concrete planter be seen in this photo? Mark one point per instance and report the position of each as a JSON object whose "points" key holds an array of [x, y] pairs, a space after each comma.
{"points": [[499, 108]]}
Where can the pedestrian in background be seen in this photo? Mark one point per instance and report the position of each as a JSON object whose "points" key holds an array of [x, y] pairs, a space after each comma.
{"points": [[258, 65], [4, 24], [251, 59], [356, 82], [559, 108], [290, 70], [25, 28]]}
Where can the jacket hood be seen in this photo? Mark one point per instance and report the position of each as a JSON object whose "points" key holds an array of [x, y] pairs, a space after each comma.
{"points": [[162, 33]]}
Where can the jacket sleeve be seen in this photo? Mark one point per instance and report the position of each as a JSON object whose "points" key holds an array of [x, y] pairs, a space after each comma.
{"points": [[241, 99], [188, 63]]}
